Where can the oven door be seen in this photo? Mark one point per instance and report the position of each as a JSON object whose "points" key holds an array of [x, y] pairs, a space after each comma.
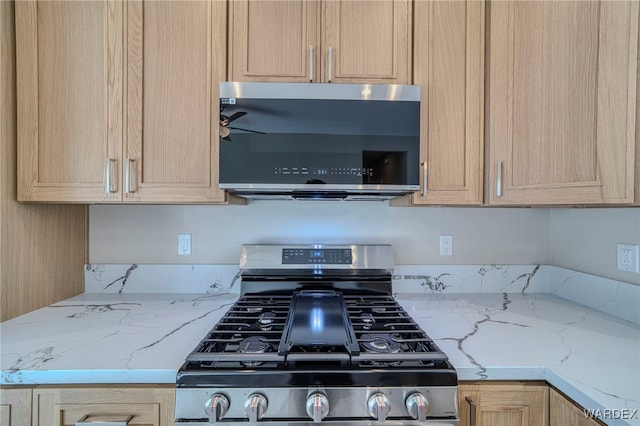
{"points": [[448, 422]]}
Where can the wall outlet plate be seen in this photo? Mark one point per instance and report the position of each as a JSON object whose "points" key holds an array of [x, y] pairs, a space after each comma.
{"points": [[184, 244], [627, 257], [446, 245]]}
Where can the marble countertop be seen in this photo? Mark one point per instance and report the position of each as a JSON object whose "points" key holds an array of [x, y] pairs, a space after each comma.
{"points": [[144, 338]]}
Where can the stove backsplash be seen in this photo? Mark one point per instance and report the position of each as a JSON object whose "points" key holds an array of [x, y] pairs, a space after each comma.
{"points": [[610, 296]]}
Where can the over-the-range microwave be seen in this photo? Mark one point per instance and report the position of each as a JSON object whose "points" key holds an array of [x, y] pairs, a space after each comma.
{"points": [[319, 141]]}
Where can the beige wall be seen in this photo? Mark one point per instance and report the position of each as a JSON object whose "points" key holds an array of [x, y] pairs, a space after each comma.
{"points": [[148, 234], [585, 239]]}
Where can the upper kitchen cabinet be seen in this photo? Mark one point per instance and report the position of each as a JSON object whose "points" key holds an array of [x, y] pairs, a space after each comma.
{"points": [[448, 60], [118, 102], [69, 94], [337, 41], [175, 54], [562, 99]]}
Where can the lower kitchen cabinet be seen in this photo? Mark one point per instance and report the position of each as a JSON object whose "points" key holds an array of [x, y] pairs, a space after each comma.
{"points": [[15, 406], [151, 405], [563, 412], [504, 404]]}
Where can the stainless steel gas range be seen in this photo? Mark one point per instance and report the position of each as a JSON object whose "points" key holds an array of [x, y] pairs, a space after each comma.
{"points": [[317, 337]]}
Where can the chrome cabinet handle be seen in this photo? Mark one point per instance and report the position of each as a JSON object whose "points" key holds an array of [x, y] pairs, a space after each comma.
{"points": [[311, 63], [499, 180], [85, 422], [108, 169], [127, 177], [424, 178], [330, 64], [472, 411]]}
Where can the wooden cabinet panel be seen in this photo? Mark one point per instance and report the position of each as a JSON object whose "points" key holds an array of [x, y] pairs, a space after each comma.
{"points": [[366, 41], [510, 404], [449, 66], [69, 88], [562, 80], [321, 41], [564, 413], [274, 40], [175, 59], [15, 407], [148, 405]]}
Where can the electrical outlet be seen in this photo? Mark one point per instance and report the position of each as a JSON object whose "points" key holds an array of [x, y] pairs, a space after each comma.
{"points": [[184, 244], [446, 245], [627, 257]]}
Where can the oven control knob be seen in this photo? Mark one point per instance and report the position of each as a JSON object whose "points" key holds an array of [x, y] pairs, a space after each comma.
{"points": [[379, 406], [255, 407], [417, 406], [216, 407], [317, 406]]}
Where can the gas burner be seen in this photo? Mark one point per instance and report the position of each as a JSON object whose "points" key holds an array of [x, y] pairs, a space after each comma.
{"points": [[367, 320], [254, 345], [380, 343], [265, 320]]}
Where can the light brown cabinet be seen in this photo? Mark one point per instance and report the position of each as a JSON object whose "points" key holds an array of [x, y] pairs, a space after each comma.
{"points": [[174, 61], [510, 404], [564, 413], [142, 405], [448, 64], [15, 406], [562, 99], [118, 102], [69, 99], [337, 41]]}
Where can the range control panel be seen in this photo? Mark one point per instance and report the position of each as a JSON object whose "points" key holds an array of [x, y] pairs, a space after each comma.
{"points": [[305, 256]]}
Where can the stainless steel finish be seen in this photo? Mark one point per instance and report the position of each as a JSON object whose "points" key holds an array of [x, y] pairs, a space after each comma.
{"points": [[381, 92], [269, 256], [417, 406], [108, 184], [216, 407], [330, 64], [310, 63], [499, 180], [424, 178], [472, 411], [341, 422], [317, 406], [345, 402], [127, 176], [255, 407], [379, 406], [85, 422]]}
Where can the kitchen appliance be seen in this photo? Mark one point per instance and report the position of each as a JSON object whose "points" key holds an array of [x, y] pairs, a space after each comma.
{"points": [[319, 141], [316, 337]]}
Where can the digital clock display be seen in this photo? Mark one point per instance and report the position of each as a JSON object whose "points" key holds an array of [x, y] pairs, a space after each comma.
{"points": [[302, 256]]}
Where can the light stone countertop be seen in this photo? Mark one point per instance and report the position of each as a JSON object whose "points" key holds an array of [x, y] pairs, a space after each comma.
{"points": [[589, 355]]}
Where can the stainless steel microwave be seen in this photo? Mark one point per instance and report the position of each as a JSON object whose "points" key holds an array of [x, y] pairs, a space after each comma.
{"points": [[319, 141]]}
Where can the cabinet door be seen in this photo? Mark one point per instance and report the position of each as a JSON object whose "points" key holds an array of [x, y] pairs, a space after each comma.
{"points": [[148, 406], [69, 89], [274, 40], [449, 66], [564, 413], [366, 41], [15, 407], [562, 102], [175, 59], [504, 405]]}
